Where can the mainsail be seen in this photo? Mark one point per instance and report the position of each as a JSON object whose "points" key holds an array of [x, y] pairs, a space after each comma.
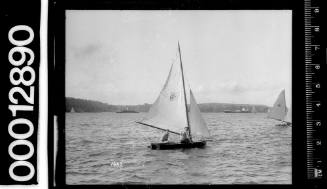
{"points": [[279, 110], [168, 111], [197, 123]]}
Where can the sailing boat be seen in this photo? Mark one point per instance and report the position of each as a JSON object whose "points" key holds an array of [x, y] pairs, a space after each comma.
{"points": [[254, 110], [127, 111], [72, 110], [245, 110], [170, 112], [280, 112]]}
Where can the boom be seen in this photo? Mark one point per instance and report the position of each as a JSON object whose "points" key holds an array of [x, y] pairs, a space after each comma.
{"points": [[157, 128]]}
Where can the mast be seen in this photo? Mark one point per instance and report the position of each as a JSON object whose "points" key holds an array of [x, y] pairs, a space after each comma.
{"points": [[187, 118]]}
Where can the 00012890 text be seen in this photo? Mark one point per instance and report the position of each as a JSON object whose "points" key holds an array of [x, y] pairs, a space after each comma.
{"points": [[21, 138]]}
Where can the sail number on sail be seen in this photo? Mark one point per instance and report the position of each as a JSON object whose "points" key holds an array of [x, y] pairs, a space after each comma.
{"points": [[19, 71]]}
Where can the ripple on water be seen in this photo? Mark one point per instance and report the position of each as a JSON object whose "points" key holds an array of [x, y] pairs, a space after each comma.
{"points": [[244, 149]]}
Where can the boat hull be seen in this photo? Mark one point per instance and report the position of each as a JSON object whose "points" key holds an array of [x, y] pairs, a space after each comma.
{"points": [[284, 124], [173, 145]]}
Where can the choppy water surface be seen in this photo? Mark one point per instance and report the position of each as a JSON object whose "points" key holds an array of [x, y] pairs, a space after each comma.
{"points": [[110, 148]]}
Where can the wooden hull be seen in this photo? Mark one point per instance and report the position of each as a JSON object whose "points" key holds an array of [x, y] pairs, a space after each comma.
{"points": [[173, 145], [283, 124]]}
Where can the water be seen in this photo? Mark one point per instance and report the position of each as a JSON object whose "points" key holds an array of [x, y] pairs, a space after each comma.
{"points": [[110, 148]]}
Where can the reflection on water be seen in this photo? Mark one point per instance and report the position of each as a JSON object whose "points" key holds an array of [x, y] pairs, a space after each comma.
{"points": [[110, 148]]}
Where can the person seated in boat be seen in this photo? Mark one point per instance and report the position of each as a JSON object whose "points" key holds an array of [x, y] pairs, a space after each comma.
{"points": [[165, 136], [284, 124], [185, 138]]}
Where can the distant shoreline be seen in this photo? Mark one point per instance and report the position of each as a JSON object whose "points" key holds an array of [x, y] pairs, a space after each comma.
{"points": [[83, 105], [127, 111]]}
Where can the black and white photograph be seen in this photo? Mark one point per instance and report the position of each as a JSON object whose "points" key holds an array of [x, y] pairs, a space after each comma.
{"points": [[178, 97], [152, 94]]}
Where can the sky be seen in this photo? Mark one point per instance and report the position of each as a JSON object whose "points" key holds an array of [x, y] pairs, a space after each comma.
{"points": [[229, 56]]}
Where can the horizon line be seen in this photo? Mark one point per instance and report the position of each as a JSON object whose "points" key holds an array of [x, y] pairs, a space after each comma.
{"points": [[152, 103]]}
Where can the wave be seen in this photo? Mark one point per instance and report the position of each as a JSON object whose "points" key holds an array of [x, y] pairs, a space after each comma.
{"points": [[135, 179], [88, 161], [130, 183], [197, 174], [97, 154], [242, 149], [173, 164], [101, 165], [91, 181], [81, 173], [85, 141]]}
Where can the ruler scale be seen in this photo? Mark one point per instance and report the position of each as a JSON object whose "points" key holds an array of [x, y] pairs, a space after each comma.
{"points": [[312, 88]]}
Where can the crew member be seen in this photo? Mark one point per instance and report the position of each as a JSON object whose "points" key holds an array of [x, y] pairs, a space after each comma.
{"points": [[185, 137], [165, 136]]}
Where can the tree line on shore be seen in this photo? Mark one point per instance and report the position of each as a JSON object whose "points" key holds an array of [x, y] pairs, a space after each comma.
{"points": [[83, 105]]}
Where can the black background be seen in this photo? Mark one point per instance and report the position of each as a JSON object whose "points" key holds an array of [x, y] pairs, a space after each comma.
{"points": [[15, 12]]}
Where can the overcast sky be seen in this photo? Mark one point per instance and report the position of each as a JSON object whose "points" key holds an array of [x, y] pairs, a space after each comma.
{"points": [[123, 57]]}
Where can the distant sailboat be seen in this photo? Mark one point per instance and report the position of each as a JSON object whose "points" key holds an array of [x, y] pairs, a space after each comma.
{"points": [[127, 111], [245, 110], [279, 111], [170, 112], [254, 110], [72, 110], [268, 110]]}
